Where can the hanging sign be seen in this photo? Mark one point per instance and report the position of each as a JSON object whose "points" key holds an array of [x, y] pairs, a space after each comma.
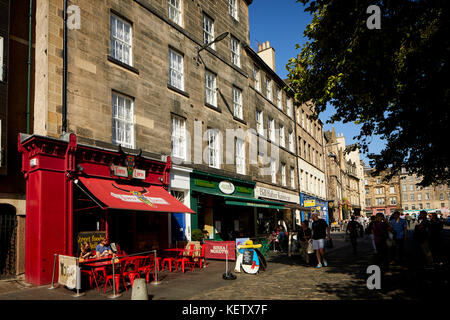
{"points": [[309, 203], [226, 187], [120, 171]]}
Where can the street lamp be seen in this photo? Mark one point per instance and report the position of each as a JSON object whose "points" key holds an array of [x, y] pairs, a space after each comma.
{"points": [[217, 39]]}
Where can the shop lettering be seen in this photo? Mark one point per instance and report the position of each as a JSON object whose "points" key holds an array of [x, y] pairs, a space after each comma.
{"points": [[199, 310], [66, 271], [218, 250], [246, 309]]}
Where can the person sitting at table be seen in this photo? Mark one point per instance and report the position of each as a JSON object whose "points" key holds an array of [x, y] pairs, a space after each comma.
{"points": [[85, 251], [102, 249]]}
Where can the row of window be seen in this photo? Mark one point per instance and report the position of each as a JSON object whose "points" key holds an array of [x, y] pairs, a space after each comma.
{"points": [[310, 154], [427, 196], [381, 201], [311, 183], [271, 131], [420, 206], [122, 42]]}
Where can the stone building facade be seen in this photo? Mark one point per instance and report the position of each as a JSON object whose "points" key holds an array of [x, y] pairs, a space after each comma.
{"points": [[416, 198], [381, 195], [142, 74]]}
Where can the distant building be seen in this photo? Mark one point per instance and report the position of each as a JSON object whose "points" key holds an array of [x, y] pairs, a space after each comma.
{"points": [[416, 198], [380, 195]]}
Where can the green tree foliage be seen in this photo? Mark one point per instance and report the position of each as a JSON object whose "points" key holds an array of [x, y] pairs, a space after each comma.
{"points": [[393, 81]]}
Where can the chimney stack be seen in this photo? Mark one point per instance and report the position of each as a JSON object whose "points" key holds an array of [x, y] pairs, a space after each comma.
{"points": [[267, 54]]}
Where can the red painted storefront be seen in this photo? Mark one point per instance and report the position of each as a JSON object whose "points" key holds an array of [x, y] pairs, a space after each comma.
{"points": [[54, 167]]}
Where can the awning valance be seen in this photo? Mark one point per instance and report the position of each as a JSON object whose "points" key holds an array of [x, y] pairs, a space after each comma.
{"points": [[118, 195]]}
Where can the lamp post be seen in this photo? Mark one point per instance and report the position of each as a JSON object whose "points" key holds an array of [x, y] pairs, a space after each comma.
{"points": [[217, 39]]}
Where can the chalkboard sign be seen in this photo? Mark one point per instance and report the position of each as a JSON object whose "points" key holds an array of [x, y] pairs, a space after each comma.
{"points": [[91, 237], [247, 259]]}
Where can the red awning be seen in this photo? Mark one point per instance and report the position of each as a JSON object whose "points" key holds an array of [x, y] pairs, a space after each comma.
{"points": [[118, 195]]}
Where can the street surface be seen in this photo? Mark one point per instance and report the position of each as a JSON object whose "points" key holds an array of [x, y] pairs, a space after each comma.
{"points": [[286, 278]]}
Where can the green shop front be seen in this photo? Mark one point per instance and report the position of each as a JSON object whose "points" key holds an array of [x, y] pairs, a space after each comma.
{"points": [[226, 207]]}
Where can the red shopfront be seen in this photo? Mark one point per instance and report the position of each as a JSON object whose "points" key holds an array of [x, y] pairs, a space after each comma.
{"points": [[73, 187]]}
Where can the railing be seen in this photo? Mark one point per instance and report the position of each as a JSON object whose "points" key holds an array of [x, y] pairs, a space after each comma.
{"points": [[115, 259]]}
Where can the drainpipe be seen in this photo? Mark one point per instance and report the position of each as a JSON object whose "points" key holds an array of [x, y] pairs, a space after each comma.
{"points": [[30, 27], [64, 80]]}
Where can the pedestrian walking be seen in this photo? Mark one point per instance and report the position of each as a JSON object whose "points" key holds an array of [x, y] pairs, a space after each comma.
{"points": [[380, 230], [320, 231], [304, 240], [408, 220], [400, 231], [422, 237], [370, 234], [353, 230], [436, 239]]}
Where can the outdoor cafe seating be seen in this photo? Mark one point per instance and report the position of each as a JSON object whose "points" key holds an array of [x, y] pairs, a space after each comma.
{"points": [[127, 268]]}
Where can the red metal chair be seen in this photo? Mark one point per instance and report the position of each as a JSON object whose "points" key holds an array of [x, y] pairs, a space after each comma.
{"points": [[186, 261], [169, 261], [118, 275], [132, 270], [198, 261]]}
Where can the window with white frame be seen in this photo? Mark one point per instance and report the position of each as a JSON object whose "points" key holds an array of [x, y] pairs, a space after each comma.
{"points": [[213, 148], [269, 89], [240, 156], [289, 107], [257, 77], [208, 30], [380, 201], [303, 118], [271, 129], [210, 87], [178, 137], [283, 174], [291, 141], [412, 196], [393, 200], [233, 9], [292, 178], [176, 70], [259, 122], [428, 206], [122, 121], [282, 137], [237, 103], [174, 7], [235, 51], [379, 191], [278, 97], [419, 196], [273, 170], [121, 40]]}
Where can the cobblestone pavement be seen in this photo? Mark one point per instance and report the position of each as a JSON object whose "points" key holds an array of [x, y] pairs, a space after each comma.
{"points": [[286, 278]]}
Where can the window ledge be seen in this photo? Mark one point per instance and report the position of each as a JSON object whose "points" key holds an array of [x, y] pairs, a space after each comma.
{"points": [[239, 120], [213, 107], [184, 93], [123, 65]]}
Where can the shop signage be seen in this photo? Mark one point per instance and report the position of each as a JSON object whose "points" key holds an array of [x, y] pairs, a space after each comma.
{"points": [[119, 171], [91, 237], [220, 250], [244, 190], [309, 203], [137, 198], [261, 192], [69, 274], [226, 187], [204, 183]]}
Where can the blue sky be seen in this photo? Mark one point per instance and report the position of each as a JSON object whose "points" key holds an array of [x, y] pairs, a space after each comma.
{"points": [[282, 22]]}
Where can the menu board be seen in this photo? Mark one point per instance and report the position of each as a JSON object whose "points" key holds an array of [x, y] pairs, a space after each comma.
{"points": [[91, 237], [248, 257]]}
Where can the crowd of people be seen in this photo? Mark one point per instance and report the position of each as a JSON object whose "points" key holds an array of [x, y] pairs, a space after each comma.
{"points": [[388, 236]]}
